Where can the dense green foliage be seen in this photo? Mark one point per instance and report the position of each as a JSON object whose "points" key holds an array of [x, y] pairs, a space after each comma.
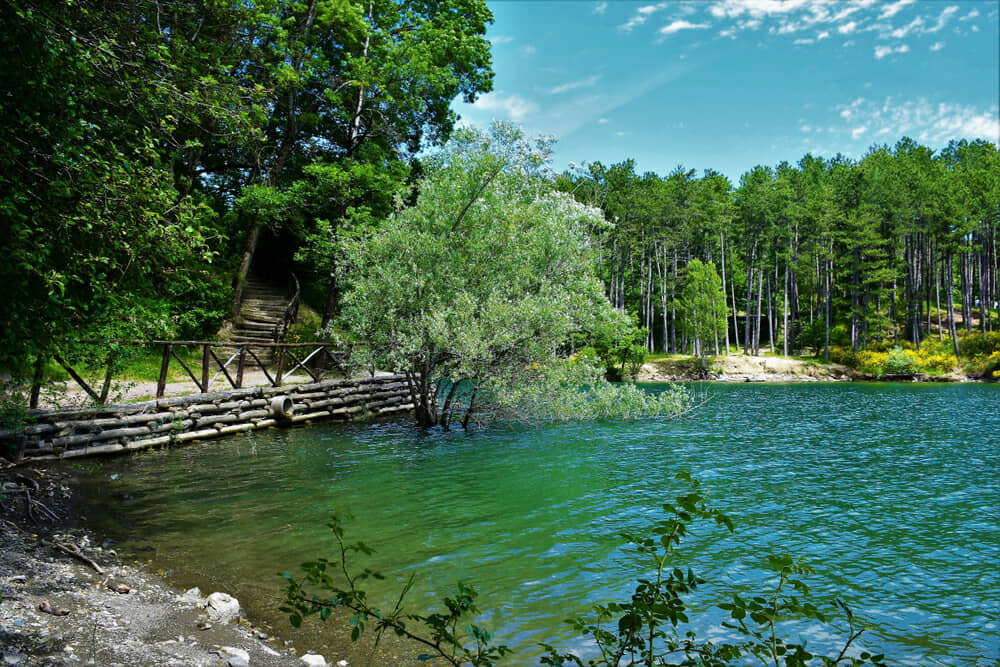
{"points": [[144, 145], [150, 154], [481, 285], [901, 244], [649, 628], [703, 307]]}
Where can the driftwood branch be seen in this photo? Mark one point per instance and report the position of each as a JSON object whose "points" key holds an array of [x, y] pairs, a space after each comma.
{"points": [[30, 504], [74, 551]]}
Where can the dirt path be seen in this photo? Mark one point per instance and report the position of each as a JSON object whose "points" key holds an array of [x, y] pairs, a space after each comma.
{"points": [[69, 394]]}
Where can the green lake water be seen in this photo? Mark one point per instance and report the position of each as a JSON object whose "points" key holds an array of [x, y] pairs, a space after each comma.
{"points": [[890, 491]]}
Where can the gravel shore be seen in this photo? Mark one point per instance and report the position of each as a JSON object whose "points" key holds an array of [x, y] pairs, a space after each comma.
{"points": [[57, 609]]}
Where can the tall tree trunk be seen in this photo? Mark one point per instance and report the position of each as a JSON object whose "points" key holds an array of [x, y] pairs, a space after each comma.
{"points": [[951, 310], [722, 257], [784, 312], [757, 313], [249, 248], [770, 312], [747, 335], [828, 309]]}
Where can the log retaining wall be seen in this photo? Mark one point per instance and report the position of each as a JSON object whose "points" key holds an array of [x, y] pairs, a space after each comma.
{"points": [[108, 429]]}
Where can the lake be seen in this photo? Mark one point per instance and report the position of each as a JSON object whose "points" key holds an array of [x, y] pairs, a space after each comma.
{"points": [[890, 491]]}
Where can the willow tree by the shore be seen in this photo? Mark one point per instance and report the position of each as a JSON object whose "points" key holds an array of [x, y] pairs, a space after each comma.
{"points": [[474, 292]]}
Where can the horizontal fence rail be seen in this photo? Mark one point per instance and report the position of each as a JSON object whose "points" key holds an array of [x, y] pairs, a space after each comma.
{"points": [[278, 362]]}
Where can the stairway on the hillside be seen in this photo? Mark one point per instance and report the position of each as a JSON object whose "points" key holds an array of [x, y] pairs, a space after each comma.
{"points": [[262, 309]]}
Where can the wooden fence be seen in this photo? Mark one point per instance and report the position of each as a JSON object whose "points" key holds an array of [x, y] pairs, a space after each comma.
{"points": [[283, 360]]}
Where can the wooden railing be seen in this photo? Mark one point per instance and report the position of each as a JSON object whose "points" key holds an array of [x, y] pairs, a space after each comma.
{"points": [[289, 358], [291, 310]]}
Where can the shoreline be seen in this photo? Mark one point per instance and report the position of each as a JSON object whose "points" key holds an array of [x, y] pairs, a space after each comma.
{"points": [[124, 615], [739, 368]]}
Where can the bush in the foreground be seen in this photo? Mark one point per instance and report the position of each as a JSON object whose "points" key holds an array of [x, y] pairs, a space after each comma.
{"points": [[643, 630]]}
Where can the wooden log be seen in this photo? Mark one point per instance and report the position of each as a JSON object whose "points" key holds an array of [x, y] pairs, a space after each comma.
{"points": [[218, 419], [197, 435], [121, 433]]}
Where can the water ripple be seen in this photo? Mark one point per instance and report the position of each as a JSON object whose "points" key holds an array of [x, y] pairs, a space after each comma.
{"points": [[890, 491]]}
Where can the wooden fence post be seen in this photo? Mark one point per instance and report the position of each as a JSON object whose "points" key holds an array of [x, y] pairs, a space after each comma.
{"points": [[161, 383], [239, 367], [36, 380], [281, 366], [204, 368]]}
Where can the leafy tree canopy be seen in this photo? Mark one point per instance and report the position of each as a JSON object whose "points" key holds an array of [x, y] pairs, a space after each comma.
{"points": [[480, 285]]}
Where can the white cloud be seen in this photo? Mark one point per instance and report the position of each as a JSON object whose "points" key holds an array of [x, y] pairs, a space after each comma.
{"points": [[823, 35], [900, 33], [641, 15], [891, 10], [883, 51], [528, 50], [756, 8], [804, 41], [937, 46], [603, 121], [946, 14], [971, 15], [589, 82], [677, 26], [935, 123], [501, 39], [513, 107], [600, 8], [848, 28]]}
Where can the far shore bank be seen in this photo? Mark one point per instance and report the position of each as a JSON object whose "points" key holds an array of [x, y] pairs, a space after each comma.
{"points": [[749, 368]]}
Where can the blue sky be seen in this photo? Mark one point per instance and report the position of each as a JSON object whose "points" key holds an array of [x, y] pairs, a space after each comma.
{"points": [[731, 84]]}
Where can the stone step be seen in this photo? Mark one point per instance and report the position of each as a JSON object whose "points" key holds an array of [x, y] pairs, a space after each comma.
{"points": [[254, 323]]}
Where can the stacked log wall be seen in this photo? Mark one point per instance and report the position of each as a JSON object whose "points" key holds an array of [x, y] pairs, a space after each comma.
{"points": [[74, 432]]}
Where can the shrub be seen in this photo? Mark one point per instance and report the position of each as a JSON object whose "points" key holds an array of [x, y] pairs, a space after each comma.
{"points": [[901, 362], [872, 363], [979, 344], [843, 355]]}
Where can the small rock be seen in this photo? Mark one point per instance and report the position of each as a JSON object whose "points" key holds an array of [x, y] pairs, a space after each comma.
{"points": [[119, 588], [12, 658], [234, 653], [192, 595], [314, 660], [204, 625], [342, 663], [223, 608], [52, 609], [238, 662]]}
